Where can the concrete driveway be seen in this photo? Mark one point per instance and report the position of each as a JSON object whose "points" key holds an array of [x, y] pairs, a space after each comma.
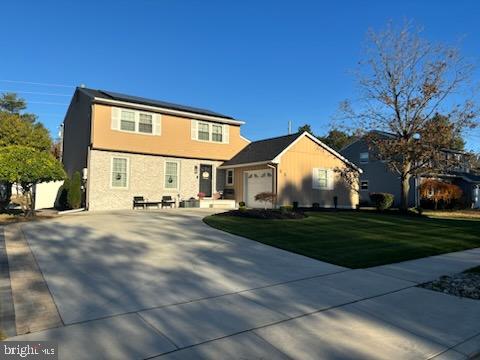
{"points": [[141, 284]]}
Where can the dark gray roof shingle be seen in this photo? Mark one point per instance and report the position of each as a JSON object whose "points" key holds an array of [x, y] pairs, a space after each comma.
{"points": [[262, 150], [109, 95]]}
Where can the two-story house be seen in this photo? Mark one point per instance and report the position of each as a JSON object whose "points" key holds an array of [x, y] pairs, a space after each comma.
{"points": [[128, 146], [377, 177]]}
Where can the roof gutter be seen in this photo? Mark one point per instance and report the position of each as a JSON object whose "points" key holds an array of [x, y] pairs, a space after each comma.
{"points": [[162, 110], [267, 162]]}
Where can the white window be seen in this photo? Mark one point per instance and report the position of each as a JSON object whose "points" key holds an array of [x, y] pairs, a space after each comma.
{"points": [[203, 131], [364, 185], [209, 131], [322, 179], [119, 172], [229, 177], [127, 120], [135, 121], [171, 174], [364, 158], [145, 123], [217, 133]]}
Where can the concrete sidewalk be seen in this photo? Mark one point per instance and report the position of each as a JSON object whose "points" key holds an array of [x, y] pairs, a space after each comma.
{"points": [[355, 314]]}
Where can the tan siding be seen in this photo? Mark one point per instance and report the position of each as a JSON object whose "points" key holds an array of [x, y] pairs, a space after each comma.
{"points": [[238, 180], [175, 139], [295, 177]]}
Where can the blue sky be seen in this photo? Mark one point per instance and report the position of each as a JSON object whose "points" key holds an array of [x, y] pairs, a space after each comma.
{"points": [[265, 62]]}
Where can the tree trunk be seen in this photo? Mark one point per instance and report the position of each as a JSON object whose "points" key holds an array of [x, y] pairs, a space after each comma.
{"points": [[405, 192]]}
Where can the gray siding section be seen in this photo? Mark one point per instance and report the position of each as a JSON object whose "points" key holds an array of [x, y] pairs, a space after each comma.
{"points": [[77, 133], [380, 178]]}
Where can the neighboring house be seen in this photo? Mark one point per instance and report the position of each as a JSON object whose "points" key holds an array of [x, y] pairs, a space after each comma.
{"points": [[298, 168], [128, 146], [377, 177]]}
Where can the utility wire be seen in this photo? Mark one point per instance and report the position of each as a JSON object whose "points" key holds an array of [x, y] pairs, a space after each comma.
{"points": [[35, 83], [46, 103], [35, 93]]}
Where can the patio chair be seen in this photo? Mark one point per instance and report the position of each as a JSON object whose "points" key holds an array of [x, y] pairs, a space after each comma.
{"points": [[139, 201], [167, 200]]}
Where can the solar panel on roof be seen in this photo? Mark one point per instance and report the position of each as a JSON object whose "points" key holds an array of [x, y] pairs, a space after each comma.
{"points": [[164, 104]]}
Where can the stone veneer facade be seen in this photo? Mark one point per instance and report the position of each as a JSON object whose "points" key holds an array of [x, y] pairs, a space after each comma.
{"points": [[145, 178]]}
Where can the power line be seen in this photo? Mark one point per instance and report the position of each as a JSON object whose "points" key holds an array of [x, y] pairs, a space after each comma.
{"points": [[46, 103], [36, 83], [35, 93]]}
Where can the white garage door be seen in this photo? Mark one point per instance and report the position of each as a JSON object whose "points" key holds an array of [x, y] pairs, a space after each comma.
{"points": [[256, 182]]}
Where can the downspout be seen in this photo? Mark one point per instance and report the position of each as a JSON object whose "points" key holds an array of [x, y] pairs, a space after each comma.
{"points": [[274, 167]]}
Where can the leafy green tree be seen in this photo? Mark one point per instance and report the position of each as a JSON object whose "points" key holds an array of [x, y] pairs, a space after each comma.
{"points": [[11, 103], [19, 129], [456, 141], [337, 139], [14, 130], [75, 191], [27, 166], [306, 128]]}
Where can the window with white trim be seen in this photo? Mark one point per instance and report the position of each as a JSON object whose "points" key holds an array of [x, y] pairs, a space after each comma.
{"points": [[364, 185], [119, 172], [322, 179], [229, 177], [203, 131], [136, 121], [364, 157], [145, 123], [209, 131], [217, 133], [127, 120], [171, 174]]}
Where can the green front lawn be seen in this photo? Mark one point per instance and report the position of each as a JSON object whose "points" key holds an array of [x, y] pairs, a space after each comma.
{"points": [[358, 239]]}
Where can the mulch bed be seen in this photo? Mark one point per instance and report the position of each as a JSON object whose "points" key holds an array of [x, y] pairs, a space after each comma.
{"points": [[466, 284], [268, 214]]}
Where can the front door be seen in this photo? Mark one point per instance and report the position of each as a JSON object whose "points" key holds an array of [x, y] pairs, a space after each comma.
{"points": [[206, 180]]}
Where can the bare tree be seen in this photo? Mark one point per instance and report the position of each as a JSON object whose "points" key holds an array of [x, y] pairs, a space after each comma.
{"points": [[404, 83]]}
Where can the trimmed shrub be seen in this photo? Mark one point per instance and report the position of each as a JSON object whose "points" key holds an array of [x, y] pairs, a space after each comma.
{"points": [[316, 206], [382, 201], [63, 197], [286, 208], [241, 204], [295, 205], [74, 195]]}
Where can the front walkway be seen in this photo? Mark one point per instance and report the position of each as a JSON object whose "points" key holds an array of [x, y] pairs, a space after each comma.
{"points": [[165, 285]]}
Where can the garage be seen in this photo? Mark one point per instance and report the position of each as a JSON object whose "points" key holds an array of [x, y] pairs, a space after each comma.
{"points": [[257, 181]]}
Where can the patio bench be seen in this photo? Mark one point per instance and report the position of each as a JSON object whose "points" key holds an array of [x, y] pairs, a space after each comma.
{"points": [[167, 200], [139, 201]]}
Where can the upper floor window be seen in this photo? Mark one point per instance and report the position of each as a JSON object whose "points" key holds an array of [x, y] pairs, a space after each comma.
{"points": [[145, 123], [136, 121], [364, 185], [217, 133], [203, 131], [229, 177], [210, 131], [119, 172], [127, 120], [364, 158]]}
